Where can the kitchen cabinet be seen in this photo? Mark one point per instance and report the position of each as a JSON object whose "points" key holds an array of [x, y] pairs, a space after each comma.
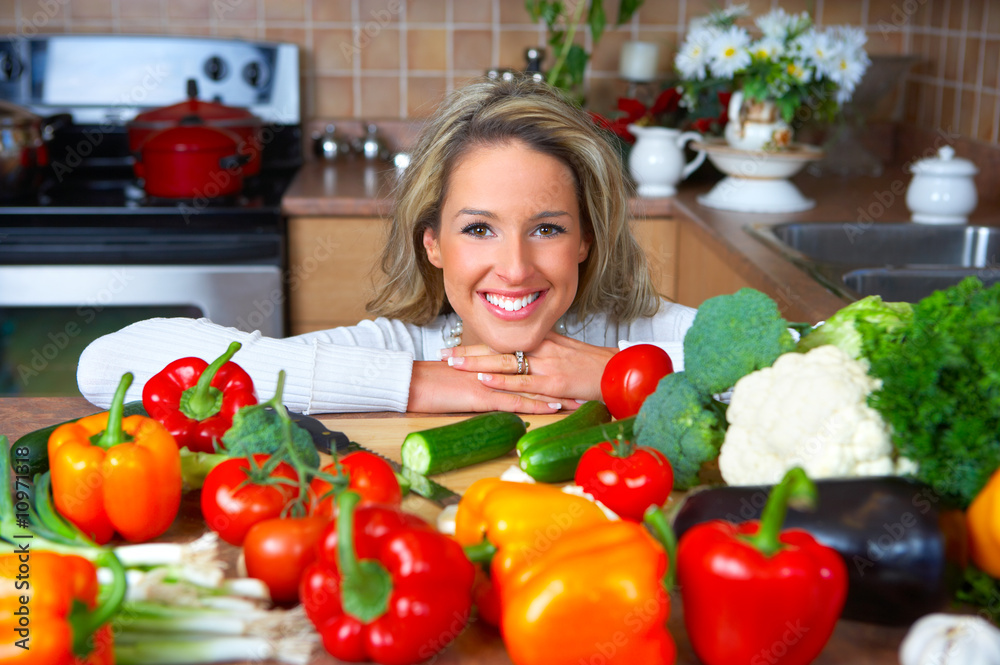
{"points": [[702, 272], [332, 262]]}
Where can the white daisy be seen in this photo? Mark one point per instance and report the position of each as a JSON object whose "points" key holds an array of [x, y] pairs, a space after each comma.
{"points": [[728, 52], [800, 71], [851, 39], [774, 24], [768, 48], [846, 72], [692, 58], [817, 47]]}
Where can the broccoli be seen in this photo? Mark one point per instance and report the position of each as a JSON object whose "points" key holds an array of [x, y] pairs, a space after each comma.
{"points": [[266, 428], [733, 335], [683, 423], [841, 329], [941, 386]]}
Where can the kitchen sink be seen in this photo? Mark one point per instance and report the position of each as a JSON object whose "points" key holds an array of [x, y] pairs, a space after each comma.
{"points": [[900, 262]]}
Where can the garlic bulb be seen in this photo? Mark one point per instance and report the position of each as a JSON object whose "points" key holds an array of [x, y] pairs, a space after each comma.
{"points": [[951, 639]]}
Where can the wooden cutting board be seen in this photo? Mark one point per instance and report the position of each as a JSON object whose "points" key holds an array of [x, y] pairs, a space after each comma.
{"points": [[385, 436]]}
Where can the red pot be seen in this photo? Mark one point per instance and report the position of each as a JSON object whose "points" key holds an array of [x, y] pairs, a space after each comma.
{"points": [[191, 162], [239, 121]]}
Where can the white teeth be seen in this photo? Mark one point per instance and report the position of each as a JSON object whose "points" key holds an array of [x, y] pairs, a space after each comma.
{"points": [[511, 304]]}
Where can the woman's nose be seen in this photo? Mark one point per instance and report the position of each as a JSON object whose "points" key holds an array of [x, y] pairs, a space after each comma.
{"points": [[515, 264]]}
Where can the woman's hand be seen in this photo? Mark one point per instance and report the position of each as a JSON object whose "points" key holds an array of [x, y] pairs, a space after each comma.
{"points": [[437, 388], [560, 367]]}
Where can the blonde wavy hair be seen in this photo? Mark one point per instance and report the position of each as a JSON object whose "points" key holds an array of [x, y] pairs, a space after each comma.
{"points": [[614, 278]]}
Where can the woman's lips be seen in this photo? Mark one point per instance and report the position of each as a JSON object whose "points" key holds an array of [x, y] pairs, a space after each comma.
{"points": [[522, 306]]}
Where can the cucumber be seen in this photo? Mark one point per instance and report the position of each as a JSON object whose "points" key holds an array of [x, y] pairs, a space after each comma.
{"points": [[554, 460], [587, 414], [29, 455], [462, 444]]}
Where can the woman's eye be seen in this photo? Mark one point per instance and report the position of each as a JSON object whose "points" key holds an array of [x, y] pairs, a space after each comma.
{"points": [[550, 230], [478, 230]]}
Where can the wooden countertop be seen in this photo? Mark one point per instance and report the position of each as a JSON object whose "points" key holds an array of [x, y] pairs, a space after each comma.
{"points": [[354, 188], [852, 643]]}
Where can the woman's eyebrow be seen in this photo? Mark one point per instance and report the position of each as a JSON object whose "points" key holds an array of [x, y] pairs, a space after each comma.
{"points": [[476, 213], [546, 214]]}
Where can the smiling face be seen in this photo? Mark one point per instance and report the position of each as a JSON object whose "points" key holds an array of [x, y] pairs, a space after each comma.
{"points": [[509, 245]]}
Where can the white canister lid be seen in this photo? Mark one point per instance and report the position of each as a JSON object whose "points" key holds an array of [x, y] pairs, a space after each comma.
{"points": [[945, 163]]}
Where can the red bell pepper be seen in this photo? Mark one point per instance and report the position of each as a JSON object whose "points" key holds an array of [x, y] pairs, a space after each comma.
{"points": [[755, 594], [196, 401], [386, 586]]}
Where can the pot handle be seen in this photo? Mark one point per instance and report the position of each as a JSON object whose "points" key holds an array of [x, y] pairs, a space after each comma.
{"points": [[234, 161], [697, 159]]}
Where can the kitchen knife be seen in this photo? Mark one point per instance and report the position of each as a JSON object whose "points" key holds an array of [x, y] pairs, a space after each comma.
{"points": [[327, 441]]}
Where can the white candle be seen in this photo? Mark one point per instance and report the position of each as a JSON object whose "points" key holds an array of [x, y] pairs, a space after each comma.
{"points": [[638, 61]]}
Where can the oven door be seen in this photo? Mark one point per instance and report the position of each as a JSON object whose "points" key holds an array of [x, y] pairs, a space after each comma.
{"points": [[48, 314]]}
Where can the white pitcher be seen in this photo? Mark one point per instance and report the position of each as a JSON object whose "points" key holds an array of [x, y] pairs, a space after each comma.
{"points": [[755, 125], [657, 159]]}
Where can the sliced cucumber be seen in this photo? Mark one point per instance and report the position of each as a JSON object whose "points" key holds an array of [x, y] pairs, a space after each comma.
{"points": [[587, 414], [462, 444], [555, 460]]}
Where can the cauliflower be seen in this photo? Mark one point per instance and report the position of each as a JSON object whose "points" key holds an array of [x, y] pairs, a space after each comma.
{"points": [[807, 410]]}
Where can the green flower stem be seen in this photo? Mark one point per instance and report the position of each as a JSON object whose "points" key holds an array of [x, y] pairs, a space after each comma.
{"points": [[571, 26]]}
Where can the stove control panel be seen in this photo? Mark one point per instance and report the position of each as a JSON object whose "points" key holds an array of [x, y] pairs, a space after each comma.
{"points": [[111, 78]]}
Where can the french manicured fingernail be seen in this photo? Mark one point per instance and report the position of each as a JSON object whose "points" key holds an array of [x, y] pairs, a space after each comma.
{"points": [[581, 401], [484, 377], [444, 353], [456, 361], [555, 405]]}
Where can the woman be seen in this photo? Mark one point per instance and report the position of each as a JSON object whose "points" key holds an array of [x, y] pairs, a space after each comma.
{"points": [[510, 278]]}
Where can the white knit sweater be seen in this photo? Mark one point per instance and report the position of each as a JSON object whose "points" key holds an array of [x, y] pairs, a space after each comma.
{"points": [[366, 367]]}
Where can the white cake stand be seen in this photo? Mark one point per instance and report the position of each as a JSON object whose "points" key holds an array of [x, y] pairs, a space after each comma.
{"points": [[757, 181]]}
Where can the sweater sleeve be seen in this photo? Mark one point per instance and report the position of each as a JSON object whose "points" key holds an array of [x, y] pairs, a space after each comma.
{"points": [[361, 368]]}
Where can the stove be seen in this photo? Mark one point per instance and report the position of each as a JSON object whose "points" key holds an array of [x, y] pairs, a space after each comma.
{"points": [[87, 251]]}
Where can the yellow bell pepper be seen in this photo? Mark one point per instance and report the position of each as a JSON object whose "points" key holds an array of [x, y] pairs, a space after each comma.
{"points": [[522, 520], [983, 519]]}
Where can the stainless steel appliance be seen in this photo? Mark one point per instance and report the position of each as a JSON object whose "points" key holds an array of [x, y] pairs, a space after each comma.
{"points": [[88, 251]]}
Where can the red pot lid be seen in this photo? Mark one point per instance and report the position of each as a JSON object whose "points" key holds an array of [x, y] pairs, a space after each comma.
{"points": [[191, 138], [209, 112]]}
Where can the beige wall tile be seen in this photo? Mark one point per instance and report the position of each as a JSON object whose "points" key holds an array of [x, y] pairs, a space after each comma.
{"points": [[514, 12], [993, 19], [513, 43], [991, 64], [290, 35], [426, 11], [473, 11], [426, 50], [334, 96], [939, 17], [188, 9], [951, 63], [234, 10], [934, 55], [381, 11], [966, 112], [976, 12], [970, 68], [238, 30], [194, 28], [140, 9], [987, 110], [285, 10], [840, 13], [607, 56], [335, 49], [379, 96], [381, 50], [885, 43], [660, 13], [141, 26], [93, 27], [40, 13], [885, 14], [948, 122], [472, 49], [423, 95], [8, 10], [331, 10], [911, 107], [85, 9]]}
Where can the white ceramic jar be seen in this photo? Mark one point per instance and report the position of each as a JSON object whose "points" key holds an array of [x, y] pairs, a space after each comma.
{"points": [[943, 189]]}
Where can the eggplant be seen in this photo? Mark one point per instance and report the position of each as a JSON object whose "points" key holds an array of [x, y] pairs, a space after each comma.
{"points": [[903, 547]]}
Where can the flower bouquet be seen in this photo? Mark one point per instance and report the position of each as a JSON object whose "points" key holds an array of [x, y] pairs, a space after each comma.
{"points": [[791, 72]]}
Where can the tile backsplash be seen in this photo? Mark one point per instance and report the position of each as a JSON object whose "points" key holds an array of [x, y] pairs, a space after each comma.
{"points": [[396, 58]]}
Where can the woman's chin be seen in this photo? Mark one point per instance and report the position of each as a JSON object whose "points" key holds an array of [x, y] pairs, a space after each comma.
{"points": [[512, 343]]}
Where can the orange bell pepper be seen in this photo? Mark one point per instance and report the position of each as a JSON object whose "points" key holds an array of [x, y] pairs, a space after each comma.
{"points": [[983, 519], [112, 474], [49, 612], [596, 595]]}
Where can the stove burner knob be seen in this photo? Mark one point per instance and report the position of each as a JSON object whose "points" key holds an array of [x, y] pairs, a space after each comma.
{"points": [[251, 74], [216, 68]]}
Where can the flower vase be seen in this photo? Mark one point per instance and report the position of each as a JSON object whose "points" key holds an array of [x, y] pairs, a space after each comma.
{"points": [[656, 161], [756, 125]]}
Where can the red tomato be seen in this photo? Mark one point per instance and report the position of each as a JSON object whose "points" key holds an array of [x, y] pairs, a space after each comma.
{"points": [[277, 551], [370, 476], [231, 505], [628, 482], [631, 376]]}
